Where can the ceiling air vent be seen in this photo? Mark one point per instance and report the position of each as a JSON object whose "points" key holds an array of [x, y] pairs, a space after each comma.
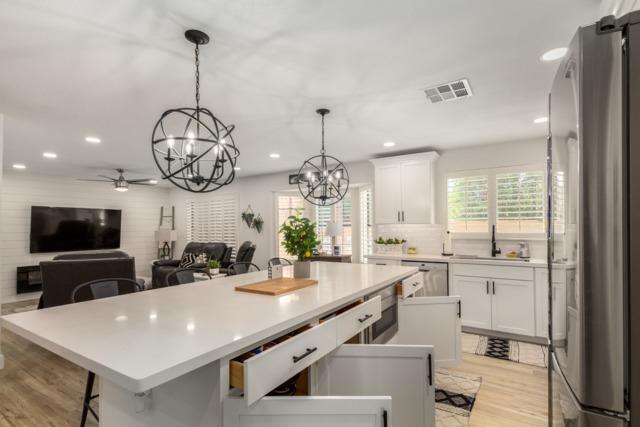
{"points": [[449, 91]]}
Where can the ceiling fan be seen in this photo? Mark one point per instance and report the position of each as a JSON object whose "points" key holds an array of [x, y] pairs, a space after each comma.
{"points": [[121, 183]]}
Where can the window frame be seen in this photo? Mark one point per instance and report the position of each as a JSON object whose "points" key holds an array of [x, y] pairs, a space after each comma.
{"points": [[492, 208]]}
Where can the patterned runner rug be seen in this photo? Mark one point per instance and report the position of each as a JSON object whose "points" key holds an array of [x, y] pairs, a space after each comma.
{"points": [[499, 348], [455, 396]]}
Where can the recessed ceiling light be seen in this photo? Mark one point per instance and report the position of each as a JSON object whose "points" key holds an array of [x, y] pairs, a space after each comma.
{"points": [[274, 155], [236, 168], [389, 144], [541, 120], [49, 155], [93, 139], [554, 54], [19, 166], [153, 181]]}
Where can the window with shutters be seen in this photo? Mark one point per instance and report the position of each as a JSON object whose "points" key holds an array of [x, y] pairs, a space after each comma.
{"points": [[514, 199], [520, 202], [366, 221], [559, 206], [213, 219], [287, 205], [340, 213], [468, 204]]}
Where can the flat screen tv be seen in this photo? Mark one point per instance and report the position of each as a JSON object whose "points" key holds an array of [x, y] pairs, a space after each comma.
{"points": [[74, 229]]}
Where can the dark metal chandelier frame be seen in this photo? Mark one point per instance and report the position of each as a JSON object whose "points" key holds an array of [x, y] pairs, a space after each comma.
{"points": [[323, 180], [202, 157]]}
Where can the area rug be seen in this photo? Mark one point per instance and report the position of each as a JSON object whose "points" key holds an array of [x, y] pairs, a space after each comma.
{"points": [[455, 396], [500, 348]]}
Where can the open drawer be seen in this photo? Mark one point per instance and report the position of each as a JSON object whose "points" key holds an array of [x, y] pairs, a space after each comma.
{"points": [[258, 373], [411, 285], [356, 386]]}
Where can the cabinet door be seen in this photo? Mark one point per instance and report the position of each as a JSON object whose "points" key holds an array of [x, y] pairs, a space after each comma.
{"points": [[388, 194], [476, 300], [403, 372], [512, 306], [314, 411], [432, 321], [416, 193]]}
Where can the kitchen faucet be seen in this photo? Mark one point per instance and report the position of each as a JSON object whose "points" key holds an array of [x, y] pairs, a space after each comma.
{"points": [[494, 247]]}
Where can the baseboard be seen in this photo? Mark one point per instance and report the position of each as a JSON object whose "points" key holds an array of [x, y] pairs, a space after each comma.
{"points": [[20, 297]]}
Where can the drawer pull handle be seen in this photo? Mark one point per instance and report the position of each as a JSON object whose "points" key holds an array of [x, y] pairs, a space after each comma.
{"points": [[415, 284], [296, 359], [365, 318]]}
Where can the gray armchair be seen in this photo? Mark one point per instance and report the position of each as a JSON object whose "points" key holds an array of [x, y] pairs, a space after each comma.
{"points": [[162, 268]]}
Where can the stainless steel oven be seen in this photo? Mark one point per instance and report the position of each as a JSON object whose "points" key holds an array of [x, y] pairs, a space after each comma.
{"points": [[387, 326]]}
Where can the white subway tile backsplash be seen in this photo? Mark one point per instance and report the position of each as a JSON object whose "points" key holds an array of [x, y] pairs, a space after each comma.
{"points": [[427, 238]]}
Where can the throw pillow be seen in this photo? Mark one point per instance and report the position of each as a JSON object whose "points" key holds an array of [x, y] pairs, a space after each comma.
{"points": [[188, 260]]}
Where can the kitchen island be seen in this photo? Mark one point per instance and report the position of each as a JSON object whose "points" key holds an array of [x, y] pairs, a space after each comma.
{"points": [[163, 356]]}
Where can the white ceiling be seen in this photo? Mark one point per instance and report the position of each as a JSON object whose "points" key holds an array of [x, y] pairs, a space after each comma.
{"points": [[69, 69]]}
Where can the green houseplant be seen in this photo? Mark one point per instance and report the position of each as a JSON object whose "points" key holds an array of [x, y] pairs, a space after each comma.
{"points": [[299, 238], [214, 266]]}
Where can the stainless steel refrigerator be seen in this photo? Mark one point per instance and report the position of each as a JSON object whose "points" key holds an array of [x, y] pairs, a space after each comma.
{"points": [[594, 228]]}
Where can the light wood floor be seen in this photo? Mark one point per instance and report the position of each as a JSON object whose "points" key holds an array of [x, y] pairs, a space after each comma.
{"points": [[38, 388], [511, 395]]}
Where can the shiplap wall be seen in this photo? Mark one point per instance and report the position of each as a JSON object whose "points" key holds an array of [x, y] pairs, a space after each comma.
{"points": [[140, 215]]}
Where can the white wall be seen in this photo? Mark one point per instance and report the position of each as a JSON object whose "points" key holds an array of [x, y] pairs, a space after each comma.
{"points": [[140, 215], [257, 191]]}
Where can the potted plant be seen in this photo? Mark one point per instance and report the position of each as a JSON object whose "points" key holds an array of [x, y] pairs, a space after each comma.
{"points": [[214, 266], [299, 238]]}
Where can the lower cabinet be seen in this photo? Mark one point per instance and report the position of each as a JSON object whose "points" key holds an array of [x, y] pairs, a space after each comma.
{"points": [[316, 411], [432, 321], [512, 306], [476, 297], [375, 385], [499, 304]]}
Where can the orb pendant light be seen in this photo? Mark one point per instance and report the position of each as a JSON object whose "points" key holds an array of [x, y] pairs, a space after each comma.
{"points": [[193, 149], [323, 180]]}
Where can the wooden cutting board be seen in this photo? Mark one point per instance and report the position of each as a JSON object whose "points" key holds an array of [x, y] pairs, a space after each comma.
{"points": [[278, 286]]}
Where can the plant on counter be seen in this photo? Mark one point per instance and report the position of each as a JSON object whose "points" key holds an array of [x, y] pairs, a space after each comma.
{"points": [[299, 236], [214, 266], [390, 245], [390, 241]]}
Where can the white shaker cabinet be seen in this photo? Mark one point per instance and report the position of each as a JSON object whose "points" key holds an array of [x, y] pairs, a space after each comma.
{"points": [[560, 278], [474, 293], [512, 306], [404, 189], [499, 298]]}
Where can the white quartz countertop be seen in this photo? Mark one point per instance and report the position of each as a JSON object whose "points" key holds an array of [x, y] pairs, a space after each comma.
{"points": [[142, 340], [531, 262]]}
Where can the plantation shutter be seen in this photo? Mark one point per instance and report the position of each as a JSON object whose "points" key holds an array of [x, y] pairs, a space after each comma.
{"points": [[213, 220], [520, 200], [366, 221], [468, 204]]}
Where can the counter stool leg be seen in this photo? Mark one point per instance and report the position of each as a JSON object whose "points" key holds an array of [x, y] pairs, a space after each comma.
{"points": [[87, 399]]}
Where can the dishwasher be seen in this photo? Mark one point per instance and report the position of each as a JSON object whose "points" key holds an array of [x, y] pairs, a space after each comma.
{"points": [[436, 277]]}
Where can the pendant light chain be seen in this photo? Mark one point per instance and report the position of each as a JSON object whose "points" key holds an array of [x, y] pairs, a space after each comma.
{"points": [[197, 76], [322, 150]]}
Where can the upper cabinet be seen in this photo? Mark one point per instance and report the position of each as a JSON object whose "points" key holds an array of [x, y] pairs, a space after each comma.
{"points": [[404, 189]]}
